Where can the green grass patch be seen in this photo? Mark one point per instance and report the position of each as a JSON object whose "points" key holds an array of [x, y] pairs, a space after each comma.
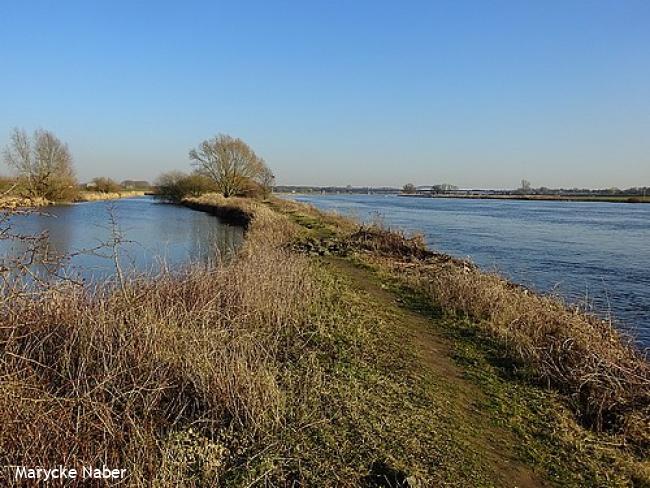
{"points": [[548, 436]]}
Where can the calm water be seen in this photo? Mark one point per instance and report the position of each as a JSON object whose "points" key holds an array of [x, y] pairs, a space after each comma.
{"points": [[157, 234], [597, 254]]}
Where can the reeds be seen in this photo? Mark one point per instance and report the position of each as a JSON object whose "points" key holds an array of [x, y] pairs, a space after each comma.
{"points": [[599, 368], [93, 196]]}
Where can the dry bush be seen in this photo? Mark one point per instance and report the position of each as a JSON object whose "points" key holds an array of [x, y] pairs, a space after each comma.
{"points": [[388, 243], [174, 186], [104, 184], [101, 376]]}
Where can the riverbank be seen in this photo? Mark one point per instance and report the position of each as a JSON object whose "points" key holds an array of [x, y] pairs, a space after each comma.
{"points": [[558, 198], [93, 196], [318, 357], [598, 384], [15, 201]]}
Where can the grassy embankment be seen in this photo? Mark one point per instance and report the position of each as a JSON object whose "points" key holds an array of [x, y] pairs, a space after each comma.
{"points": [[325, 355], [583, 381]]}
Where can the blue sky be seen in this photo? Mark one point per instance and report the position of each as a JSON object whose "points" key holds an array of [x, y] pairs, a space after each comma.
{"points": [[479, 94]]}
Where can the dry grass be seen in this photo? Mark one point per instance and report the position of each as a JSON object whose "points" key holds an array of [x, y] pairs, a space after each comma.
{"points": [[267, 370], [388, 243], [264, 226], [599, 368], [13, 202], [93, 196], [16, 201], [118, 376]]}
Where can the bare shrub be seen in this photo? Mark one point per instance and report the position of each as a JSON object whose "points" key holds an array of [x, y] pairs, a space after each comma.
{"points": [[104, 184], [176, 185], [390, 243]]}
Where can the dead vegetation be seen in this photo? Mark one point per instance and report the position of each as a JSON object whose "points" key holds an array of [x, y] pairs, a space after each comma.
{"points": [[602, 372], [103, 375], [588, 359], [599, 369], [271, 371]]}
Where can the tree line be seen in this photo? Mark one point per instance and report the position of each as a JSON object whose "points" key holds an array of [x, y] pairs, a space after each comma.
{"points": [[43, 167]]}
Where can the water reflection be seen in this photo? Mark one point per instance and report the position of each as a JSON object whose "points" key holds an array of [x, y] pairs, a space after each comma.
{"points": [[152, 235]]}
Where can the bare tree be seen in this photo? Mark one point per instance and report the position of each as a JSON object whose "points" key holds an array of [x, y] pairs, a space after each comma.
{"points": [[525, 186], [267, 179], [444, 188], [230, 162], [409, 189], [43, 165]]}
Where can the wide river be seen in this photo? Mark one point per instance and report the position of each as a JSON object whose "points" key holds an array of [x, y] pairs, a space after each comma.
{"points": [[153, 235], [595, 254]]}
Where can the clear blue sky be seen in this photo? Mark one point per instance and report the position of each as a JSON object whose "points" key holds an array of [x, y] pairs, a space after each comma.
{"points": [[479, 94]]}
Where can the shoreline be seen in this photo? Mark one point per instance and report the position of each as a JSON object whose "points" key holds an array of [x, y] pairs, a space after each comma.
{"points": [[99, 196], [552, 198], [325, 350], [11, 201], [487, 307]]}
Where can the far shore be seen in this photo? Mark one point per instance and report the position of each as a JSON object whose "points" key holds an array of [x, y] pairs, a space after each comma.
{"points": [[92, 196], [13, 201], [558, 198]]}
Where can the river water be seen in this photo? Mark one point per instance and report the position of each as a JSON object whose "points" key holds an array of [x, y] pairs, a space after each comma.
{"points": [[595, 254], [153, 235]]}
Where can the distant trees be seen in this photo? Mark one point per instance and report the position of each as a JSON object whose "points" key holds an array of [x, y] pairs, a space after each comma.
{"points": [[176, 185], [106, 185], [135, 185], [232, 165], [43, 165], [525, 186], [409, 189], [6, 184], [443, 188]]}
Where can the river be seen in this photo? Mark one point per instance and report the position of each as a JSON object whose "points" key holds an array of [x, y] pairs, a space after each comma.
{"points": [[153, 235], [594, 254]]}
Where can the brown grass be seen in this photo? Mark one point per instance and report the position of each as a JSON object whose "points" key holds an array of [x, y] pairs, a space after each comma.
{"points": [[262, 369], [13, 202], [93, 196], [105, 375], [599, 368]]}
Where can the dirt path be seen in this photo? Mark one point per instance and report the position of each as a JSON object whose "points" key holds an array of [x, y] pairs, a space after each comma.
{"points": [[436, 353]]}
